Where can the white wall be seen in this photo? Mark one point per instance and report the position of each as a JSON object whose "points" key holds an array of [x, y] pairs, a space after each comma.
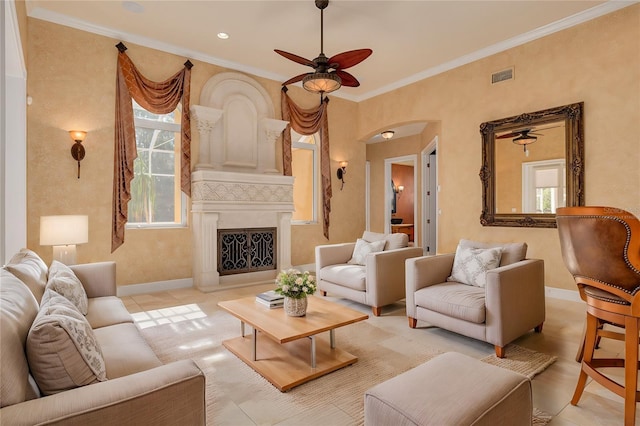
{"points": [[13, 138]]}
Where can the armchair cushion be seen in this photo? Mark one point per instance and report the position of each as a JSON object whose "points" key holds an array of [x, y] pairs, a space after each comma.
{"points": [[392, 241], [511, 252], [454, 300], [363, 248], [470, 265], [350, 276]]}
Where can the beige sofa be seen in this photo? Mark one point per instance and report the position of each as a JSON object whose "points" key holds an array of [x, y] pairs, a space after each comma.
{"points": [[138, 388], [510, 304], [377, 282]]}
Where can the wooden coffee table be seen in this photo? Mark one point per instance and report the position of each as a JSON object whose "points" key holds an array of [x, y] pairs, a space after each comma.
{"points": [[284, 349]]}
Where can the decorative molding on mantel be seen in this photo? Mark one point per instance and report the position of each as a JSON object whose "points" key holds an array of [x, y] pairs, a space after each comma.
{"points": [[229, 187]]}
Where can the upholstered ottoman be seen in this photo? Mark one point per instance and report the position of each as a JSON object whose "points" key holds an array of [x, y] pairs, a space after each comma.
{"points": [[451, 389]]}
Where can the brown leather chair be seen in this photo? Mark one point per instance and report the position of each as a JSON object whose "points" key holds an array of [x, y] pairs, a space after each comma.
{"points": [[601, 248]]}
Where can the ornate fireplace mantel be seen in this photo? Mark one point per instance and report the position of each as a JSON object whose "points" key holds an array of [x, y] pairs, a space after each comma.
{"points": [[235, 183]]}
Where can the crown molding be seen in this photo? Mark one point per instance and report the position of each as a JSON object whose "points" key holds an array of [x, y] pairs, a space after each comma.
{"points": [[570, 21]]}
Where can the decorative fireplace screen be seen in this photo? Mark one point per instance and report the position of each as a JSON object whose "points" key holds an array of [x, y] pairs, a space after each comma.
{"points": [[246, 250]]}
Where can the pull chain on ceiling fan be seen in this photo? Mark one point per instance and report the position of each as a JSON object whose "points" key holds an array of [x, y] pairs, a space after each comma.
{"points": [[323, 80]]}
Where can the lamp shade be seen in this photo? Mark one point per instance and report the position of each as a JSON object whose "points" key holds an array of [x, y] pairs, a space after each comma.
{"points": [[64, 230], [321, 82]]}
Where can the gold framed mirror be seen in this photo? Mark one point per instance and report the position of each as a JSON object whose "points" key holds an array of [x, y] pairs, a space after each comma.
{"points": [[532, 164]]}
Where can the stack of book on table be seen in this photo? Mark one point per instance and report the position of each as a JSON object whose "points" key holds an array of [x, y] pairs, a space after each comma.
{"points": [[270, 299]]}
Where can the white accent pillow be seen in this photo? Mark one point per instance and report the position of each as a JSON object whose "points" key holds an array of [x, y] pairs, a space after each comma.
{"points": [[363, 248], [31, 270], [470, 265], [63, 281], [62, 348]]}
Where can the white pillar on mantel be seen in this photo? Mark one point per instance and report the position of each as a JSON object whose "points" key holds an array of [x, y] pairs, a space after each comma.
{"points": [[205, 254], [205, 120], [273, 129], [284, 240]]}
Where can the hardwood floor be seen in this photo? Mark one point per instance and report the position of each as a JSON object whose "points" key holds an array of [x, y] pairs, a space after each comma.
{"points": [[552, 389]]}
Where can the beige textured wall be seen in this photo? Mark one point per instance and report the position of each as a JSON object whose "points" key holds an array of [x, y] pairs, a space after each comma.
{"points": [[71, 77], [596, 62]]}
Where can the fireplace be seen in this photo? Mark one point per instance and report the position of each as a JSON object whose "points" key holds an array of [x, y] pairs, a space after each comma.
{"points": [[246, 250], [236, 186]]}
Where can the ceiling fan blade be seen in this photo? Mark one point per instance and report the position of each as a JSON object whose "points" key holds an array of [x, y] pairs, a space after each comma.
{"points": [[347, 79], [295, 58], [348, 59], [509, 135], [296, 79]]}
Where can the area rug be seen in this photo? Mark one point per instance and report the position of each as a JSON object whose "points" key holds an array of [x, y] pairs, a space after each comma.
{"points": [[522, 360], [237, 395]]}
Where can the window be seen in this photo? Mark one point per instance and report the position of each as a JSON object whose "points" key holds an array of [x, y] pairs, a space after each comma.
{"points": [[156, 198], [544, 186], [304, 164]]}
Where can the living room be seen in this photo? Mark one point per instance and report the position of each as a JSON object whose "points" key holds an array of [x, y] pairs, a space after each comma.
{"points": [[70, 76]]}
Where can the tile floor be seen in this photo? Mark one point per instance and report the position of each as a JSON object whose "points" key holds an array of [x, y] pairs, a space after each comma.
{"points": [[552, 390]]}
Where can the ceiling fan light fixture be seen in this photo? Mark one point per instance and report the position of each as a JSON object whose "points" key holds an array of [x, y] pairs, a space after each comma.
{"points": [[387, 134], [321, 82], [524, 140]]}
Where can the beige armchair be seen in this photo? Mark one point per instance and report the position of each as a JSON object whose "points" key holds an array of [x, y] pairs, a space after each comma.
{"points": [[509, 303], [377, 282]]}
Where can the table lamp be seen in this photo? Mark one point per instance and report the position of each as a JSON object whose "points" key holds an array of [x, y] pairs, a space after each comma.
{"points": [[63, 233]]}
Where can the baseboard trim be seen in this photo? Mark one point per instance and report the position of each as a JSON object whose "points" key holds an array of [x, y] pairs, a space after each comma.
{"points": [[563, 294], [154, 287]]}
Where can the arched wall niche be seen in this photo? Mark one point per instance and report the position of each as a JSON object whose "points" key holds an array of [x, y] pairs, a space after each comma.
{"points": [[236, 124]]}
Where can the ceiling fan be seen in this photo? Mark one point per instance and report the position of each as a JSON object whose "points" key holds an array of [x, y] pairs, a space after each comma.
{"points": [[328, 74], [522, 137]]}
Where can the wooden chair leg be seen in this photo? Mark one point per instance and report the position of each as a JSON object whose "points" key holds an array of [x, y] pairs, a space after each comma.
{"points": [[630, 370], [500, 351], [413, 322], [587, 356], [377, 310]]}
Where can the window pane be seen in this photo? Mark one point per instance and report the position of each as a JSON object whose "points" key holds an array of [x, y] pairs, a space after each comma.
{"points": [[139, 112], [143, 137], [163, 208], [165, 140], [141, 191], [162, 163]]}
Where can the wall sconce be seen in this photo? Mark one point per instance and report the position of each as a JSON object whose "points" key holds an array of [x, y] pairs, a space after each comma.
{"points": [[387, 134], [342, 170], [63, 233], [399, 189], [77, 150]]}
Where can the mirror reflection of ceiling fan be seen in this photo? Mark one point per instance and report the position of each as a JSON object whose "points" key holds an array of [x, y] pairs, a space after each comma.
{"points": [[525, 136], [323, 79]]}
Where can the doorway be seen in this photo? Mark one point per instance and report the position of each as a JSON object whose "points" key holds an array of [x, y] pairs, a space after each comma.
{"points": [[429, 197], [401, 192]]}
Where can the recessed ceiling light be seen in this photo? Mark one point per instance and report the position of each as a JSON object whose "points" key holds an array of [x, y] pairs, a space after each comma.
{"points": [[133, 6], [223, 36]]}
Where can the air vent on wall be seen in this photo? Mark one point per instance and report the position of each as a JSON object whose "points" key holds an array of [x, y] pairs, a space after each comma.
{"points": [[503, 75]]}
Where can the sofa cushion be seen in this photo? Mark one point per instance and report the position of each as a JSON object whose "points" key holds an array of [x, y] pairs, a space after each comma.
{"points": [[31, 270], [63, 281], [454, 300], [351, 276], [125, 350], [62, 349], [362, 249], [511, 252], [392, 241], [19, 309], [106, 311], [470, 265]]}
